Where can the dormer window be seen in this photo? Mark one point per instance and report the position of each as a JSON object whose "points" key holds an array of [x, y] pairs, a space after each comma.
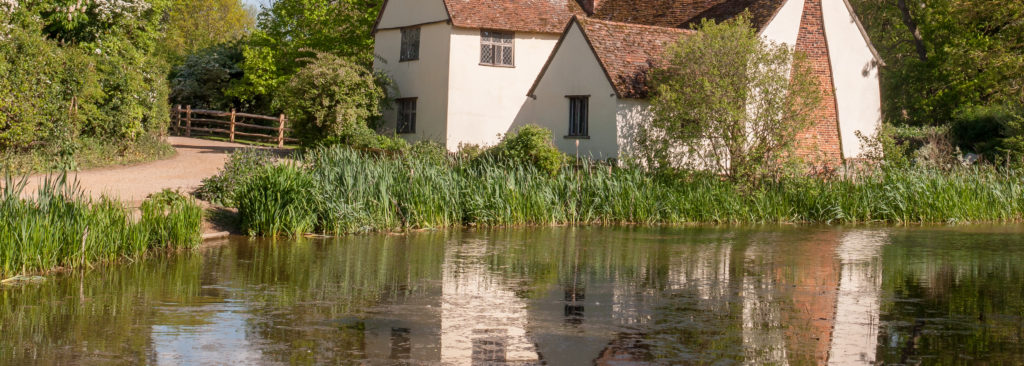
{"points": [[410, 44], [497, 48]]}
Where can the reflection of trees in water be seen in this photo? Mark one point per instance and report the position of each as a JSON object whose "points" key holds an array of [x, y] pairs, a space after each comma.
{"points": [[95, 318], [955, 298]]}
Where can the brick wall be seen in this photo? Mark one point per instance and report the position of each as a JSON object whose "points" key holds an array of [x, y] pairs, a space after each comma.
{"points": [[820, 143]]}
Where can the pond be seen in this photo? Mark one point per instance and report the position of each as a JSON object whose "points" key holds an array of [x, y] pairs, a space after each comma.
{"points": [[558, 296]]}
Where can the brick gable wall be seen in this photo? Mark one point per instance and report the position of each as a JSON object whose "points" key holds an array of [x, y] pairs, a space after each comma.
{"points": [[819, 144]]}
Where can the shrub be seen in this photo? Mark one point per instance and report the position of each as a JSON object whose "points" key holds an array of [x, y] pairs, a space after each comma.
{"points": [[531, 145], [277, 200], [332, 97], [241, 165]]}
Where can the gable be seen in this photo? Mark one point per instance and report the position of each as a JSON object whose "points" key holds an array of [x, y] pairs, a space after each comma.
{"points": [[626, 52], [406, 13]]}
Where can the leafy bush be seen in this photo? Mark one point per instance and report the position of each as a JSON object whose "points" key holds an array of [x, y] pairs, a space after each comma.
{"points": [[277, 200], [241, 165], [531, 145], [42, 88], [332, 97]]}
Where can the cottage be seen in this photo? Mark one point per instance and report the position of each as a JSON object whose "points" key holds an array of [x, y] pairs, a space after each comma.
{"points": [[468, 71]]}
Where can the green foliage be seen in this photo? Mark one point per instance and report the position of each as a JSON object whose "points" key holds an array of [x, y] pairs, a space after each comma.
{"points": [[944, 56], [332, 97], [42, 87], [277, 200], [241, 165], [994, 131], [201, 79], [174, 221], [289, 30], [61, 228], [75, 71], [357, 192], [530, 145], [428, 151], [728, 102], [196, 25]]}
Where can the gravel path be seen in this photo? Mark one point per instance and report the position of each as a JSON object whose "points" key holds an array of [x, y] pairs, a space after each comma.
{"points": [[196, 159]]}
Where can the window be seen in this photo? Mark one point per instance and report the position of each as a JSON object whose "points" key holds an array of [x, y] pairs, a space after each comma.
{"points": [[406, 115], [410, 44], [497, 48], [579, 116]]}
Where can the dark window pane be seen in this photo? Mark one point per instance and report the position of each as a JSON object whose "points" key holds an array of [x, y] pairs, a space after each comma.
{"points": [[410, 44], [406, 115], [487, 54]]}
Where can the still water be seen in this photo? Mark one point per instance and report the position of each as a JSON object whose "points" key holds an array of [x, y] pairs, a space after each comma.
{"points": [[557, 296]]}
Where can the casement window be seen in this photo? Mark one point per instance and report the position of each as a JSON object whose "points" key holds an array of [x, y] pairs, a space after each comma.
{"points": [[579, 116], [497, 48], [410, 44], [406, 115]]}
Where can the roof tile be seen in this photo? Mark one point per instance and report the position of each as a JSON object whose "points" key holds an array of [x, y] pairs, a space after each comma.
{"points": [[540, 16], [628, 51]]}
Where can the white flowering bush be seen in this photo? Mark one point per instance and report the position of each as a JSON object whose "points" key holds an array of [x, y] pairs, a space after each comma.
{"points": [[8, 6], [110, 10]]}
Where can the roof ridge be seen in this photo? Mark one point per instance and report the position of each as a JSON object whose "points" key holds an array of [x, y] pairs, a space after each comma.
{"points": [[638, 25]]}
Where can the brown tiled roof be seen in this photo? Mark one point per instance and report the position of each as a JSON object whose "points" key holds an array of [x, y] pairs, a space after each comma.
{"points": [[628, 51], [685, 13], [541, 16]]}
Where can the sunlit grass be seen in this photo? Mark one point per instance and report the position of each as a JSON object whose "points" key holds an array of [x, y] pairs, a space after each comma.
{"points": [[62, 228], [353, 192]]}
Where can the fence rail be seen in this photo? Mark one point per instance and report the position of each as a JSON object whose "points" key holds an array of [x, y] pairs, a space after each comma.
{"points": [[186, 121]]}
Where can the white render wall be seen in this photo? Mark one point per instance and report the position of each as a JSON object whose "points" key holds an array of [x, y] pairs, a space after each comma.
{"points": [[575, 70], [785, 27], [631, 115], [404, 13], [483, 100], [855, 72], [426, 78]]}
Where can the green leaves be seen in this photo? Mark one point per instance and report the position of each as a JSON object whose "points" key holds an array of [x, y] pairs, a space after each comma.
{"points": [[727, 102]]}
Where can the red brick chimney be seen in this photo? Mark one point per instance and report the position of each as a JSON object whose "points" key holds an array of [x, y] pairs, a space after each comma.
{"points": [[589, 6]]}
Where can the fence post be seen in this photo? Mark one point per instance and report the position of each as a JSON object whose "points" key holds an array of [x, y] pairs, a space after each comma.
{"points": [[232, 125], [188, 121], [176, 120], [280, 131]]}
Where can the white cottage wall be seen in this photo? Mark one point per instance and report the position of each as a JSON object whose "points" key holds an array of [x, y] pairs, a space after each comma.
{"points": [[574, 70], [484, 100], [425, 79], [785, 27], [855, 73], [404, 13]]}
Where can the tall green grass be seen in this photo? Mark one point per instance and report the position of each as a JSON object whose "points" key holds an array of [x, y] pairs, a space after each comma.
{"points": [[62, 228], [348, 191]]}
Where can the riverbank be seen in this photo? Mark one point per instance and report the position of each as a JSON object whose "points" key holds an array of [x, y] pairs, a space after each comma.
{"points": [[336, 191], [62, 228]]}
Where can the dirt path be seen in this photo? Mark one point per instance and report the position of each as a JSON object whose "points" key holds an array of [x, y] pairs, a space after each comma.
{"points": [[196, 159]]}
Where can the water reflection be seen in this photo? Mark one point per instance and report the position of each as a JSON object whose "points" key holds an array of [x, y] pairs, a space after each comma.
{"points": [[557, 296]]}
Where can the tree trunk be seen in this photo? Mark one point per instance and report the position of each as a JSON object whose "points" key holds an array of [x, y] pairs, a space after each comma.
{"points": [[922, 52]]}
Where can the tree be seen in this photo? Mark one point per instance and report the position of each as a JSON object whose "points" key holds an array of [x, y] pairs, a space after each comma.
{"points": [[945, 57], [194, 25], [333, 98], [728, 102], [290, 30]]}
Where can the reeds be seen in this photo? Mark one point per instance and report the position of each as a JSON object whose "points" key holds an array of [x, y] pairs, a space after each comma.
{"points": [[352, 192], [61, 228]]}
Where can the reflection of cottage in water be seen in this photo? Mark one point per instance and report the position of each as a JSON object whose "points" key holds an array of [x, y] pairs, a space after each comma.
{"points": [[481, 318]]}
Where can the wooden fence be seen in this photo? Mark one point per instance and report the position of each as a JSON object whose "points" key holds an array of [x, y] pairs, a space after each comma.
{"points": [[187, 121]]}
